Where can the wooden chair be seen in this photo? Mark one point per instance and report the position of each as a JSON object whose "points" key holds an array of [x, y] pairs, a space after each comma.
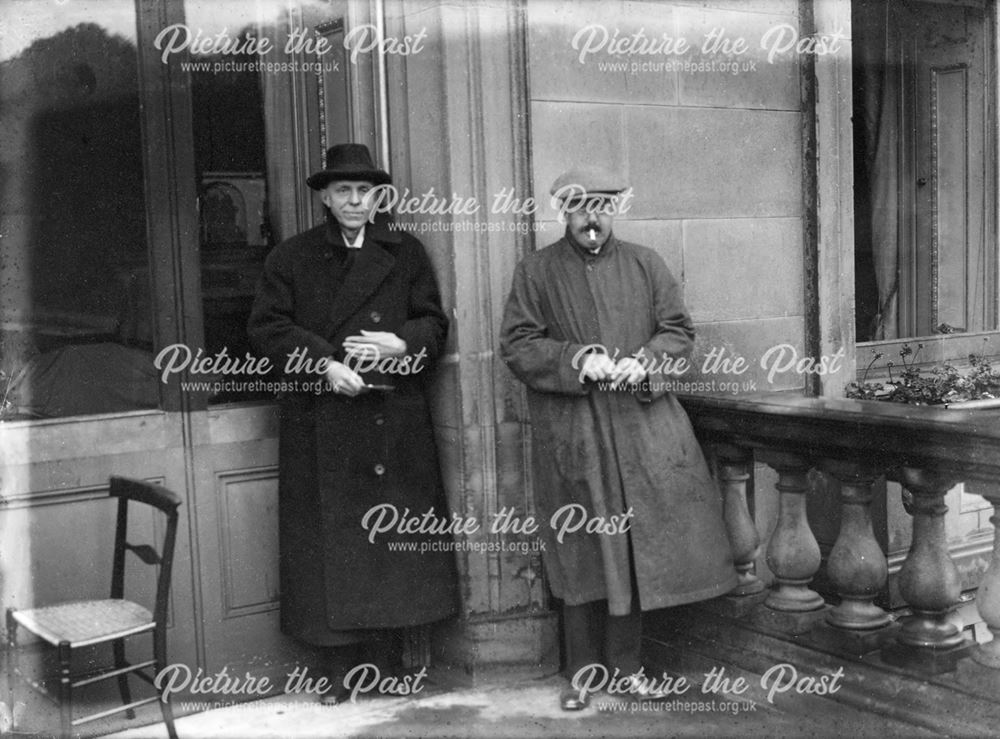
{"points": [[69, 626]]}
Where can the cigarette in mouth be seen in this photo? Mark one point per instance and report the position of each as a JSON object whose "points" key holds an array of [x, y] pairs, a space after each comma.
{"points": [[592, 234]]}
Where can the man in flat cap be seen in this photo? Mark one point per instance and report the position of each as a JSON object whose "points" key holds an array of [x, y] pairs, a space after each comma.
{"points": [[635, 519], [364, 302]]}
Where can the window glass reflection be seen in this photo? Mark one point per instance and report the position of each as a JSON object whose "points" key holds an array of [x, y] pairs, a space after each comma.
{"points": [[235, 230], [76, 335]]}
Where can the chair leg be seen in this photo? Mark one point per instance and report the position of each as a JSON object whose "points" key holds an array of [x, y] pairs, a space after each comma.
{"points": [[123, 687], [168, 717], [12, 664], [160, 656], [65, 689]]}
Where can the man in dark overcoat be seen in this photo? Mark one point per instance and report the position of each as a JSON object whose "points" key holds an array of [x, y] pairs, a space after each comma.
{"points": [[350, 312], [631, 518]]}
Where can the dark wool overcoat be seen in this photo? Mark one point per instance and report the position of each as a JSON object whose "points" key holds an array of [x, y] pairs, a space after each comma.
{"points": [[612, 450], [342, 456]]}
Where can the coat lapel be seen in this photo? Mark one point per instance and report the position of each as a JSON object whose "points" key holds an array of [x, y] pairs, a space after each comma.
{"points": [[372, 265]]}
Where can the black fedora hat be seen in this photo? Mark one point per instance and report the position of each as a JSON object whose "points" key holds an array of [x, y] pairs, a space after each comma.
{"points": [[348, 162]]}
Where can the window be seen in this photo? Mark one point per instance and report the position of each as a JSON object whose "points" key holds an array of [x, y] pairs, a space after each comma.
{"points": [[925, 176], [76, 334], [230, 160]]}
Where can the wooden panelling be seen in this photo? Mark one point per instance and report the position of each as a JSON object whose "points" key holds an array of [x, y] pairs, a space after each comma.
{"points": [[236, 532], [67, 438], [947, 170], [248, 530], [950, 239]]}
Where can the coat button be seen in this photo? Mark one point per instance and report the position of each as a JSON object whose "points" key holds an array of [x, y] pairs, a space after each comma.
{"points": [[376, 316], [380, 469], [379, 420]]}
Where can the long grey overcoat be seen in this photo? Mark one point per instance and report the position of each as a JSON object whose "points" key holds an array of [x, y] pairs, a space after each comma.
{"points": [[610, 451], [340, 456]]}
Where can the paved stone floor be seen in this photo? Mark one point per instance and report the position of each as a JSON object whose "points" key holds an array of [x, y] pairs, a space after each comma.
{"points": [[522, 709]]}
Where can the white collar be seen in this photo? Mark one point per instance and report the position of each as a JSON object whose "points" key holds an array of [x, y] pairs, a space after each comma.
{"points": [[358, 241]]}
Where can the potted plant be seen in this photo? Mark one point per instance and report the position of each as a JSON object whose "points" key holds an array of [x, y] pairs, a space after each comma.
{"points": [[944, 385]]}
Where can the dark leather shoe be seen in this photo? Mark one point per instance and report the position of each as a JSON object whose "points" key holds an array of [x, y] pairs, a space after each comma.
{"points": [[570, 700]]}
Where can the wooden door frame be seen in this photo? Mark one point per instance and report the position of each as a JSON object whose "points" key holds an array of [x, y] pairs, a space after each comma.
{"points": [[235, 445]]}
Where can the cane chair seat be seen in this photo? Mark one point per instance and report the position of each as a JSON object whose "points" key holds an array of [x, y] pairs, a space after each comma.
{"points": [[86, 622]]}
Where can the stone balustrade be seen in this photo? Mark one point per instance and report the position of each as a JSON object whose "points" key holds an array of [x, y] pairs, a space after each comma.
{"points": [[926, 450]]}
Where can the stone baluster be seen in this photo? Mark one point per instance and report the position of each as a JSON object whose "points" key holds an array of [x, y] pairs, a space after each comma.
{"points": [[734, 471], [856, 565], [792, 554], [928, 580], [988, 597]]}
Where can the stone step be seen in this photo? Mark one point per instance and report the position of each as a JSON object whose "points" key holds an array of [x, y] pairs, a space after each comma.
{"points": [[869, 694]]}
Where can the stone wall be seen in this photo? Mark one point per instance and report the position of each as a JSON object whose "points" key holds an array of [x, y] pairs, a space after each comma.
{"points": [[714, 154]]}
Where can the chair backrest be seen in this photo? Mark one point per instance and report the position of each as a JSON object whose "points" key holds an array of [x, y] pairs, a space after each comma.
{"points": [[166, 501]]}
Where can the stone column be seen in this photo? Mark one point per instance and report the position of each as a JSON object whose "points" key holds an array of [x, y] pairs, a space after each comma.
{"points": [[856, 565], [458, 124], [734, 471], [792, 554], [928, 580], [988, 597]]}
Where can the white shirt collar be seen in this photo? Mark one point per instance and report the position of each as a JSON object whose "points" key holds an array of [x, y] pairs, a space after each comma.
{"points": [[358, 241]]}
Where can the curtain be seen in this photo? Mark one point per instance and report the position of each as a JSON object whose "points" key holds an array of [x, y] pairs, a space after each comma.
{"points": [[878, 55]]}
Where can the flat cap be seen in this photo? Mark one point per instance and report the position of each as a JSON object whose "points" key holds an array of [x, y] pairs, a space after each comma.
{"points": [[588, 180]]}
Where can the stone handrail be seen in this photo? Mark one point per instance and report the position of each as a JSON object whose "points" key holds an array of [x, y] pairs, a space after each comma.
{"points": [[928, 450]]}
